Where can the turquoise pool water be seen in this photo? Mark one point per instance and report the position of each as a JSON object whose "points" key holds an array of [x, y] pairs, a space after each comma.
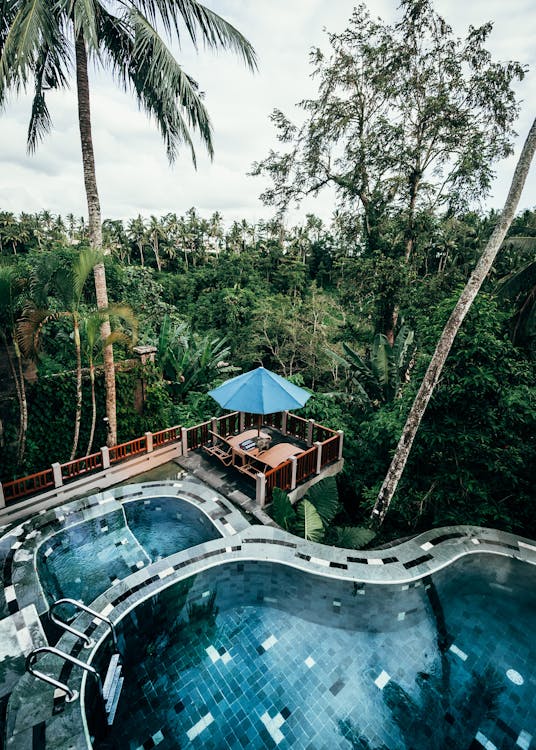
{"points": [[83, 561], [259, 655]]}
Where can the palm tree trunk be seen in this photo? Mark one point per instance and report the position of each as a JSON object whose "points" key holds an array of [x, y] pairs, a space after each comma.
{"points": [[78, 413], [93, 408], [18, 379], [23, 406], [95, 227], [446, 340]]}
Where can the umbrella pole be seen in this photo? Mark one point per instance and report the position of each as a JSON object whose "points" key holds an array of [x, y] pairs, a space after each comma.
{"points": [[259, 426]]}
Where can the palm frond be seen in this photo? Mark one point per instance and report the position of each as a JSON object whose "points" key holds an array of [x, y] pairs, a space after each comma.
{"points": [[142, 62], [200, 23], [82, 267], [50, 73], [32, 29], [84, 15], [29, 328]]}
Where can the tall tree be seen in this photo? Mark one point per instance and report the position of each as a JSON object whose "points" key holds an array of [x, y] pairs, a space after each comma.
{"points": [[408, 118], [36, 44], [446, 340]]}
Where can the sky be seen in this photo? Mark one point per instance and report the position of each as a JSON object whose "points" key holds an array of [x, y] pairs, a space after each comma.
{"points": [[133, 173]]}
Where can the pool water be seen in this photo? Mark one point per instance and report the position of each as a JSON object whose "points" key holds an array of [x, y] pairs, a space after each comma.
{"points": [[83, 561], [258, 655]]}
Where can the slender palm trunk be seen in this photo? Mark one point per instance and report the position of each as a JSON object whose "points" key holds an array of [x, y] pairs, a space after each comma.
{"points": [[446, 340], [78, 412], [95, 227], [18, 379], [93, 408]]}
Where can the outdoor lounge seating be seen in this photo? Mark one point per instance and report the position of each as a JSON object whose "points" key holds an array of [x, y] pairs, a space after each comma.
{"points": [[269, 459], [235, 449]]}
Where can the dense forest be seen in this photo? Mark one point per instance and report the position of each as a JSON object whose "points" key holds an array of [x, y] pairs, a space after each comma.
{"points": [[407, 127], [306, 302]]}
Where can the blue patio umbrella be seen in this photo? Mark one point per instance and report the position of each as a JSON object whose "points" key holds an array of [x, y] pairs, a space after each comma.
{"points": [[259, 392]]}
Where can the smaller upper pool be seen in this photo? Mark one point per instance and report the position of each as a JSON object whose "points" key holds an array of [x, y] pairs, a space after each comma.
{"points": [[84, 560]]}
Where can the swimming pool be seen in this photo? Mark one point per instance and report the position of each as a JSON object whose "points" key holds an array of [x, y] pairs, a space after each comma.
{"points": [[85, 559], [255, 655], [258, 639]]}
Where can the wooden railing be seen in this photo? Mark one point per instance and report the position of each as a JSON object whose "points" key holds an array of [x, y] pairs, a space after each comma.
{"points": [[229, 424], [28, 485], [297, 426], [307, 463], [330, 450], [127, 450], [79, 466], [321, 433], [197, 436], [280, 476], [171, 435]]}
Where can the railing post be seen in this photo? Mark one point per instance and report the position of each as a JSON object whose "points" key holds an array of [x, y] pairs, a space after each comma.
{"points": [[184, 440], [105, 457], [149, 442], [260, 489], [241, 421], [294, 463], [2, 497], [341, 440], [309, 438], [214, 424], [284, 422], [318, 457], [56, 472]]}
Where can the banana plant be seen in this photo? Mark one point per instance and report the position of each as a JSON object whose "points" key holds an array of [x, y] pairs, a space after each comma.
{"points": [[188, 361], [377, 378], [519, 288]]}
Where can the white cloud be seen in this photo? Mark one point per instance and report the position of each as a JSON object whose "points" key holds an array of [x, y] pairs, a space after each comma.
{"points": [[132, 170]]}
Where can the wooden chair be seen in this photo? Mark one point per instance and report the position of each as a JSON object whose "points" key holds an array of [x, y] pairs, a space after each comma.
{"points": [[221, 449]]}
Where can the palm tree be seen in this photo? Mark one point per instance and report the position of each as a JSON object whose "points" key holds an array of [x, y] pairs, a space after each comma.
{"points": [[36, 44], [68, 284], [446, 339]]}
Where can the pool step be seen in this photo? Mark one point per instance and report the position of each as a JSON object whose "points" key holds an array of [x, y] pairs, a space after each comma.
{"points": [[113, 685]]}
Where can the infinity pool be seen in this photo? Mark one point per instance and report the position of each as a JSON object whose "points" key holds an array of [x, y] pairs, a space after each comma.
{"points": [[260, 655], [84, 560]]}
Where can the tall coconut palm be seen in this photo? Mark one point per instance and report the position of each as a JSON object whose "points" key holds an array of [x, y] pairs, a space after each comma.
{"points": [[37, 41], [451, 329]]}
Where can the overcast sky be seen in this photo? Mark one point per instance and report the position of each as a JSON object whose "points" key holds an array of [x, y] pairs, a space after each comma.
{"points": [[132, 171]]}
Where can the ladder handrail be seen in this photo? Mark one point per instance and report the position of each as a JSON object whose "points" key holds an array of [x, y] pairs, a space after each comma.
{"points": [[72, 694], [79, 605]]}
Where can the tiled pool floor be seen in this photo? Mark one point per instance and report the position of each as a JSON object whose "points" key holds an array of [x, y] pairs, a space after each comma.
{"points": [[259, 677]]}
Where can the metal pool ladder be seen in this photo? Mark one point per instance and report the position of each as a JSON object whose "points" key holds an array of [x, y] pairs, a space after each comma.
{"points": [[113, 682]]}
